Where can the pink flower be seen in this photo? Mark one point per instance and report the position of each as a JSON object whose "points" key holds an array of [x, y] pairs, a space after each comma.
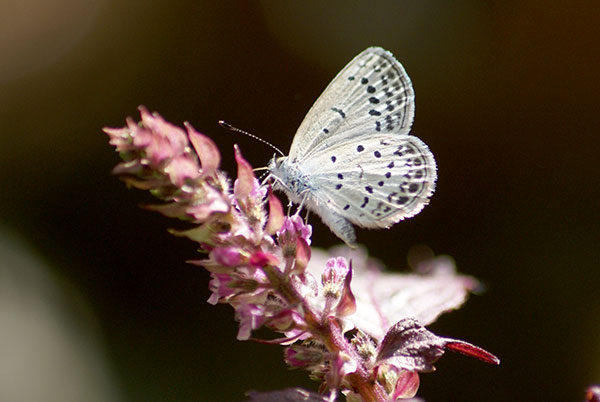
{"points": [[221, 287], [359, 331], [251, 317], [304, 356], [294, 227], [334, 275], [336, 280], [592, 394], [228, 256], [294, 240]]}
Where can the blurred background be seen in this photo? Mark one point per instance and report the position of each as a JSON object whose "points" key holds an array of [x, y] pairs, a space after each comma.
{"points": [[96, 300]]}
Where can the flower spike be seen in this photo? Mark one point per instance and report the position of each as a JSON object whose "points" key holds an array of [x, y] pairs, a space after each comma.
{"points": [[261, 263]]}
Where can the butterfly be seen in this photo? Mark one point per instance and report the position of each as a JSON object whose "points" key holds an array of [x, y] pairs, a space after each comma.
{"points": [[352, 160]]}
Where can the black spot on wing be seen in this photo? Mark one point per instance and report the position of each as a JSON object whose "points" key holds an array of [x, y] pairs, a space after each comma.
{"points": [[340, 111]]}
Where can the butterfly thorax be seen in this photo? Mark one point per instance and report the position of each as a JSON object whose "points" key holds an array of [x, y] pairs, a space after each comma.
{"points": [[290, 179]]}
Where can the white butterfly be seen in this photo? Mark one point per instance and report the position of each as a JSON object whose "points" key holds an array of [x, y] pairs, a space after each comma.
{"points": [[352, 160]]}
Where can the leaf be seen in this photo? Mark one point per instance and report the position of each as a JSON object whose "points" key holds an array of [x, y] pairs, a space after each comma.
{"points": [[410, 346], [383, 299]]}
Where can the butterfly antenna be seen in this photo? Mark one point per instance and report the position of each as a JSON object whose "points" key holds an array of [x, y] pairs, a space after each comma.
{"points": [[231, 128]]}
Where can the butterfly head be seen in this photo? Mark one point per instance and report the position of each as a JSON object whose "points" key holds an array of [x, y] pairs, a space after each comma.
{"points": [[288, 177], [277, 170]]}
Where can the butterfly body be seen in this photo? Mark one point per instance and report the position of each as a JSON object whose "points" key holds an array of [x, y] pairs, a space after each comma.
{"points": [[352, 160]]}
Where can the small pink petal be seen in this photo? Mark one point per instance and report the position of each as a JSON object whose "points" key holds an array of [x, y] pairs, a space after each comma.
{"points": [[286, 320], [347, 303], [219, 285], [200, 234], [260, 259], [245, 182], [201, 212], [227, 256], [302, 256], [207, 151], [340, 366], [334, 273], [132, 181], [302, 356], [182, 168], [175, 135], [251, 317], [276, 216], [407, 385], [288, 340], [119, 137], [172, 210]]}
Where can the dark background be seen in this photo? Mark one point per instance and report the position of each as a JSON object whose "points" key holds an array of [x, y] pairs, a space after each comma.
{"points": [[507, 100]]}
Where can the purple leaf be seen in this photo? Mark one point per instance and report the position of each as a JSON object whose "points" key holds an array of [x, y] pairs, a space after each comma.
{"points": [[409, 346]]}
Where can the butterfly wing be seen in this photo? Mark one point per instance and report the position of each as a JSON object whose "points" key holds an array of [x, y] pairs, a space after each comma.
{"points": [[374, 180], [355, 146], [372, 94]]}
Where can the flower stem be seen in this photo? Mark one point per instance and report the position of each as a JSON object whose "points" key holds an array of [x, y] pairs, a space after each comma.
{"points": [[360, 380], [330, 333]]}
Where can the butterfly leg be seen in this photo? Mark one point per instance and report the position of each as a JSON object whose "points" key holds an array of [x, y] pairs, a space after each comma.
{"points": [[305, 192]]}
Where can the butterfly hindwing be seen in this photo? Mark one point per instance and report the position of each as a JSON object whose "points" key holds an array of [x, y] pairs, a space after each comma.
{"points": [[376, 180]]}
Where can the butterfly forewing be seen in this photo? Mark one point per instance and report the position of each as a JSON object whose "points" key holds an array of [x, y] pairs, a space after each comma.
{"points": [[371, 94]]}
